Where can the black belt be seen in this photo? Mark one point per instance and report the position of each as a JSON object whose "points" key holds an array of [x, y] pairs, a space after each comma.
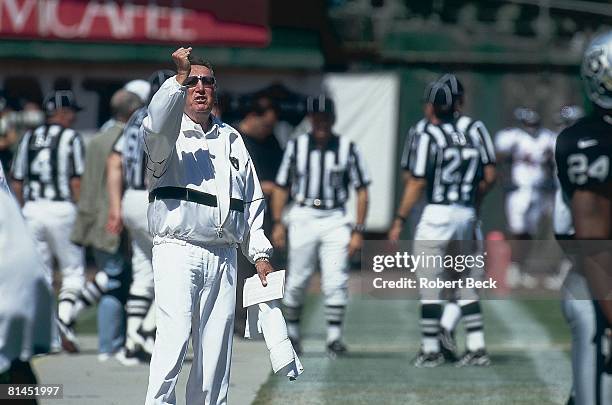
{"points": [[198, 197], [318, 204]]}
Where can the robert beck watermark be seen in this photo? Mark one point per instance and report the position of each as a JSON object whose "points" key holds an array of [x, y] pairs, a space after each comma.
{"points": [[436, 283]]}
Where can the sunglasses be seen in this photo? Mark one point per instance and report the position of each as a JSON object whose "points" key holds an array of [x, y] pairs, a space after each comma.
{"points": [[192, 81]]}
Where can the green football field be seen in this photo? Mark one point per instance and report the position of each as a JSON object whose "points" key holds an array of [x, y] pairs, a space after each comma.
{"points": [[528, 342]]}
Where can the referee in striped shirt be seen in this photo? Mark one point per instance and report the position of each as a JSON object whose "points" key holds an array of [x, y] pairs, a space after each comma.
{"points": [[46, 177], [449, 168], [317, 170]]}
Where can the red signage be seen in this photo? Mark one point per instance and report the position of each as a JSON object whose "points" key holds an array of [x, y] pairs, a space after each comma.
{"points": [[227, 22]]}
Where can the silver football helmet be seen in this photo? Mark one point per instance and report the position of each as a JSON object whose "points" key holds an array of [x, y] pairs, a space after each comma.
{"points": [[527, 116], [597, 70]]}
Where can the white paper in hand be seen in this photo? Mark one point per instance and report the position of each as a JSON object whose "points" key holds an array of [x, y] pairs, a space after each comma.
{"points": [[255, 293]]}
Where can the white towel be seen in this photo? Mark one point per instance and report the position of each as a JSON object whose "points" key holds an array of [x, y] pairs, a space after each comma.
{"points": [[267, 319]]}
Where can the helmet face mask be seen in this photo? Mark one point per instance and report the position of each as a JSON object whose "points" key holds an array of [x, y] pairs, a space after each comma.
{"points": [[596, 71]]}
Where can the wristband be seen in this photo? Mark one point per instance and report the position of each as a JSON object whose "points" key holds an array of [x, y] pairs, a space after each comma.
{"points": [[359, 228]]}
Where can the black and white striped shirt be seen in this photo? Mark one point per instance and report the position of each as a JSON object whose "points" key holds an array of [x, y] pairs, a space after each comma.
{"points": [[474, 127], [320, 177], [130, 145], [451, 157], [410, 144], [47, 158]]}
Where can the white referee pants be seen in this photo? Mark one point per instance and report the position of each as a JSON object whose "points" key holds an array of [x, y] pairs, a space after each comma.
{"points": [[317, 236], [195, 291], [134, 212], [50, 223], [446, 229]]}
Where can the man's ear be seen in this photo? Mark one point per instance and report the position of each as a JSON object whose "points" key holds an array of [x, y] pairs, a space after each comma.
{"points": [[429, 111]]}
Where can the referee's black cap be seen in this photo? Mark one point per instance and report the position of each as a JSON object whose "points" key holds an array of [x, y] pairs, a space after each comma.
{"points": [[427, 91], [157, 79], [440, 95], [453, 83], [320, 104], [60, 99]]}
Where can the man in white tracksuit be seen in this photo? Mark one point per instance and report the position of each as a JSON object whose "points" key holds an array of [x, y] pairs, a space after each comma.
{"points": [[205, 199]]}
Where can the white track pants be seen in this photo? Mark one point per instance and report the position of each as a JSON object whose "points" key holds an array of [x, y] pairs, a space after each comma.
{"points": [[195, 293], [317, 236]]}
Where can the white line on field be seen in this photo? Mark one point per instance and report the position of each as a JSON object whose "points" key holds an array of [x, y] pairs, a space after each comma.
{"points": [[552, 366]]}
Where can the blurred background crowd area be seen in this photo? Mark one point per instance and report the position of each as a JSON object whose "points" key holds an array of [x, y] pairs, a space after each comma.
{"points": [[374, 57]]}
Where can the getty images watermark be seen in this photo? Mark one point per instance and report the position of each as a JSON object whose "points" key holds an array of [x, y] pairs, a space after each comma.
{"points": [[431, 271], [454, 270]]}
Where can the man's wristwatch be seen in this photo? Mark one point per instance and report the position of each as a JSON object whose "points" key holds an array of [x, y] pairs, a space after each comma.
{"points": [[359, 228], [262, 259]]}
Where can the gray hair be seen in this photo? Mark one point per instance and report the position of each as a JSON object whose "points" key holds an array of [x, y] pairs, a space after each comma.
{"points": [[123, 104]]}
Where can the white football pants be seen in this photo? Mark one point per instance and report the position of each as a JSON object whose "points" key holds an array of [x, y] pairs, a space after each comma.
{"points": [[525, 208], [317, 236]]}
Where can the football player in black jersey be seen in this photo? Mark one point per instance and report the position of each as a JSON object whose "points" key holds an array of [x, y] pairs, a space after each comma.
{"points": [[583, 154]]}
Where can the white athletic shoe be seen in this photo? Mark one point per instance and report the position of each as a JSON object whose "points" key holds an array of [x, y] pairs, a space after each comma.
{"points": [[104, 357], [126, 359], [515, 278], [528, 281], [555, 282]]}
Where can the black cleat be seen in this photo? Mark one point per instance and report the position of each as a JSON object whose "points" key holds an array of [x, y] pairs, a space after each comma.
{"points": [[140, 353], [448, 345], [478, 358], [335, 349], [428, 360], [68, 337], [133, 357]]}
